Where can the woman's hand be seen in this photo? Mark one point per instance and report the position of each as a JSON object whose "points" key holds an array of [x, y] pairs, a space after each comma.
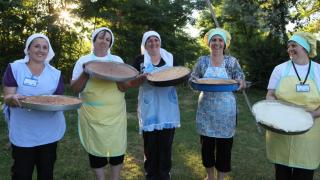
{"points": [[10, 96], [122, 86], [314, 113], [242, 85], [137, 81], [271, 95], [14, 100]]}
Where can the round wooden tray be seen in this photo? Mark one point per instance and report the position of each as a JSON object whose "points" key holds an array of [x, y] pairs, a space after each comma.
{"points": [[169, 76], [112, 71], [51, 103]]}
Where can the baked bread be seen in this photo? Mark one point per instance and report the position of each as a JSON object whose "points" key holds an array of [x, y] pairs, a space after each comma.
{"points": [[282, 116], [215, 81], [51, 100], [168, 74], [110, 69]]}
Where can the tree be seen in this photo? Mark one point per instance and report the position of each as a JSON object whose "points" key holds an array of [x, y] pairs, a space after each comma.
{"points": [[130, 19], [259, 31]]}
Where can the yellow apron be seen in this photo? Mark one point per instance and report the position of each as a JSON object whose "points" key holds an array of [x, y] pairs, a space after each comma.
{"points": [[300, 151], [102, 119]]}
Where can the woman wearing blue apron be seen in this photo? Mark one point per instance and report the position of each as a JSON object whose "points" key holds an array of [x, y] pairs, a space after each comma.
{"points": [[158, 109], [33, 134], [217, 112], [296, 81]]}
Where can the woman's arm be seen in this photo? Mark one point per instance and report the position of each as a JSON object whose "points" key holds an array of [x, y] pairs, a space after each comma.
{"points": [[78, 85], [238, 75], [316, 113], [198, 69], [10, 97], [123, 86], [271, 95]]}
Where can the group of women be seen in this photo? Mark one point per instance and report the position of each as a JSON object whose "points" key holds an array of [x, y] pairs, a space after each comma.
{"points": [[102, 120]]}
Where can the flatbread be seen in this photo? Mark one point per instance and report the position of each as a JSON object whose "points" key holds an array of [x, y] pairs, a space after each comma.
{"points": [[110, 70], [282, 116], [215, 81], [168, 74], [51, 100]]}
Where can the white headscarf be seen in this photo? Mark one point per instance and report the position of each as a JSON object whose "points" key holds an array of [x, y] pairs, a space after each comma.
{"points": [[166, 56], [29, 40], [97, 32]]}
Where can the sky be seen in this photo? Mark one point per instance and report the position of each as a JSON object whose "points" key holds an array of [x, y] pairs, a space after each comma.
{"points": [[191, 29]]}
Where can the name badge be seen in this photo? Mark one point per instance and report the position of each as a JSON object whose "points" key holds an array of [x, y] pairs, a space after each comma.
{"points": [[30, 82], [302, 88]]}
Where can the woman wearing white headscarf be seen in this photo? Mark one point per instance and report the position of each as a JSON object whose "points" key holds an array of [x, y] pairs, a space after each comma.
{"points": [[102, 117], [296, 81], [33, 134], [158, 109], [217, 111]]}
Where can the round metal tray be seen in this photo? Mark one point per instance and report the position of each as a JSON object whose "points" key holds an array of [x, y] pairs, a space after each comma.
{"points": [[52, 107], [214, 87], [280, 131], [172, 82], [112, 71]]}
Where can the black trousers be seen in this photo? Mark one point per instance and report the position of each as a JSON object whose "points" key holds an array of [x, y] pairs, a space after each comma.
{"points": [[157, 151], [290, 173], [99, 162], [25, 158], [216, 152]]}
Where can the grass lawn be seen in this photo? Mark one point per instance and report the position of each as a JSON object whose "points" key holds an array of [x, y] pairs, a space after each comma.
{"points": [[248, 156]]}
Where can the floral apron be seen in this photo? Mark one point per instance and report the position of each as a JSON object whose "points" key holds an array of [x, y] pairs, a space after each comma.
{"points": [[216, 114]]}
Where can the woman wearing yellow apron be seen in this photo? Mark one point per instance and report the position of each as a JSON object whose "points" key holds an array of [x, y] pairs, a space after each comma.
{"points": [[296, 81], [102, 117]]}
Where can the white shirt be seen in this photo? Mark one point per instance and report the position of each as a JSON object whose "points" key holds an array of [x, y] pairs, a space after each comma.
{"points": [[302, 70]]}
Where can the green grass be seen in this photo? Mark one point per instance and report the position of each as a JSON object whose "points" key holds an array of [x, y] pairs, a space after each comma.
{"points": [[249, 161]]}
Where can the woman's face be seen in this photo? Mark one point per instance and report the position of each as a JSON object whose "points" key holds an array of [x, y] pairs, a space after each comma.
{"points": [[102, 42], [153, 45], [295, 51], [217, 44], [38, 50]]}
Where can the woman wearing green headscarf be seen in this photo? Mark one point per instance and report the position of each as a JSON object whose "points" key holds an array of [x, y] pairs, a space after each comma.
{"points": [[217, 111], [296, 81]]}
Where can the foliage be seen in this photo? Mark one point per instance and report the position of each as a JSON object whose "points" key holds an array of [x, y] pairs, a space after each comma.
{"points": [[258, 30], [68, 24], [130, 19], [20, 19]]}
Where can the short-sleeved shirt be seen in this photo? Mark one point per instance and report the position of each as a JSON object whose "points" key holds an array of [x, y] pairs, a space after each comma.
{"points": [[301, 69], [10, 81]]}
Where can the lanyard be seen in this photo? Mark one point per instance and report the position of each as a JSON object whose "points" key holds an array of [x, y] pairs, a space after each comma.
{"points": [[295, 70]]}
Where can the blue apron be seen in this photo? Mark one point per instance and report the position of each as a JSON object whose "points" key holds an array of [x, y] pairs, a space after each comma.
{"points": [[157, 106]]}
